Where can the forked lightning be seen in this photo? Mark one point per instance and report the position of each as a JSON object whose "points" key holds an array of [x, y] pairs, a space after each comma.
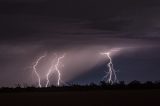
{"points": [[111, 74], [35, 69], [57, 68], [49, 72]]}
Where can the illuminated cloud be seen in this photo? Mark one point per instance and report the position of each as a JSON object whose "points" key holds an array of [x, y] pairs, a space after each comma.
{"points": [[82, 32]]}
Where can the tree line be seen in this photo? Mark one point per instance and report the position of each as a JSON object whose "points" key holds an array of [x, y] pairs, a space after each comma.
{"points": [[102, 85]]}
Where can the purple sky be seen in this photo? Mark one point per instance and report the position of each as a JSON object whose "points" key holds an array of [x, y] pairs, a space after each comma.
{"points": [[32, 28]]}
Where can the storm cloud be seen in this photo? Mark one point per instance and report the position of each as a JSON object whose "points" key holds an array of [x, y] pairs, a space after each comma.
{"points": [[31, 28]]}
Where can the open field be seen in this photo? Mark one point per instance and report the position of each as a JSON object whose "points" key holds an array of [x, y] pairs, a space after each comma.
{"points": [[81, 98]]}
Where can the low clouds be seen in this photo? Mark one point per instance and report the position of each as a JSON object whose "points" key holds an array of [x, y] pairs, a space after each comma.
{"points": [[29, 29]]}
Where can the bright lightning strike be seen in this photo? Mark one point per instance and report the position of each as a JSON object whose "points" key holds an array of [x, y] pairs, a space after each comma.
{"points": [[57, 68], [49, 72], [35, 69], [111, 74]]}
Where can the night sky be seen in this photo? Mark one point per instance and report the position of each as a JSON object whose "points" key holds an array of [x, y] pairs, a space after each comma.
{"points": [[81, 29]]}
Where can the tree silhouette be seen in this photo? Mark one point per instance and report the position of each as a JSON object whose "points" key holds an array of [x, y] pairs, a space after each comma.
{"points": [[92, 86]]}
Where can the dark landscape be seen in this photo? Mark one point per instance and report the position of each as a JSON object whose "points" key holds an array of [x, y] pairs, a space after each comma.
{"points": [[83, 98], [120, 94], [79, 52]]}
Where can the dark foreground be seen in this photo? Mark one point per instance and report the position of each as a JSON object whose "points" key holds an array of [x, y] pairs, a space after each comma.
{"points": [[82, 98]]}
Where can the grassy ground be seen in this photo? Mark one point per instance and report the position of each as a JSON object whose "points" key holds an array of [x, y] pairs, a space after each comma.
{"points": [[82, 98]]}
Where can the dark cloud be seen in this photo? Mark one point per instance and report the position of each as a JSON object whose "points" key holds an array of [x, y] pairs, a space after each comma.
{"points": [[29, 28]]}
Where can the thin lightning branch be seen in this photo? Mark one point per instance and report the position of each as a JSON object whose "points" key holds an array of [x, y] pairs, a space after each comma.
{"points": [[111, 74], [35, 69], [57, 68], [49, 72]]}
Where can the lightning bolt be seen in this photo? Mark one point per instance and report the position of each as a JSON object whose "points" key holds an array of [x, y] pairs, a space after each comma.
{"points": [[111, 74], [49, 72], [35, 69], [57, 68]]}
